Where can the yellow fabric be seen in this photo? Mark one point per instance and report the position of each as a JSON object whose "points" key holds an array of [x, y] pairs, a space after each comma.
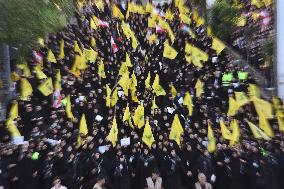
{"points": [[61, 46], [188, 103], [114, 98], [169, 15], [116, 13], [112, 136], [257, 3], [257, 133], [226, 133], [124, 82], [68, 108], [173, 90], [90, 55], [133, 85], [152, 38], [26, 89], [176, 130], [233, 107], [147, 81], [14, 111], [99, 4], [93, 42], [157, 88], [185, 19], [262, 106], [83, 128], [241, 98], [154, 105], [46, 87], [241, 21], [138, 117], [51, 57], [211, 140], [128, 61], [235, 133], [40, 41], [267, 2], [25, 69], [148, 137], [197, 56], [209, 31], [11, 127], [265, 126], [167, 27], [127, 114], [169, 52], [101, 69], [39, 73], [280, 123], [57, 84], [94, 23], [108, 96], [77, 48], [199, 88], [15, 77], [253, 91], [123, 69], [151, 22], [218, 45]]}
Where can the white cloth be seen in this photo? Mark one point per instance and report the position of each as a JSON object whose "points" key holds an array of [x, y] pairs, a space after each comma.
{"points": [[61, 187], [152, 185], [207, 186]]}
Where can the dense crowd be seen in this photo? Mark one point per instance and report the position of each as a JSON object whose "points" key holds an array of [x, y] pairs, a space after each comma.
{"points": [[57, 152]]}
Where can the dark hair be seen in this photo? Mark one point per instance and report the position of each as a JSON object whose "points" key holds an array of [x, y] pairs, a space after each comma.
{"points": [[156, 171], [100, 177]]}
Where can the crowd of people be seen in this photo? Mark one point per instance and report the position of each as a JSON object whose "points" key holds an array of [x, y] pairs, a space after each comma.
{"points": [[56, 153]]}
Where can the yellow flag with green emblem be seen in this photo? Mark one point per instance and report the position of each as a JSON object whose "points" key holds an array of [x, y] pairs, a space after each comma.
{"points": [[211, 140], [116, 13], [218, 45], [26, 89], [51, 57], [265, 126], [101, 69], [169, 52], [138, 117], [14, 111], [188, 103], [148, 137], [61, 47], [157, 88], [257, 133], [176, 130], [241, 98], [46, 87], [113, 133], [68, 109], [12, 128], [226, 133], [233, 107]]}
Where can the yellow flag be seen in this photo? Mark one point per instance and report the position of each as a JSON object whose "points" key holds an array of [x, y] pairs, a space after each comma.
{"points": [[265, 126], [138, 117], [93, 42], [26, 89], [83, 129], [77, 48], [276, 104], [40, 41], [123, 69], [157, 88], [151, 22], [11, 127], [100, 4], [108, 96], [57, 84], [148, 137], [46, 87], [127, 114], [226, 133], [25, 69], [39, 73], [116, 13], [133, 85], [241, 21], [147, 81], [14, 111], [112, 136], [169, 15], [167, 27], [267, 2], [185, 19], [235, 133], [280, 123], [257, 3], [257, 133], [61, 54], [218, 45], [209, 31], [154, 105], [152, 38], [176, 130], [90, 55], [51, 57], [199, 88], [262, 106], [233, 107], [68, 110], [149, 7], [253, 90], [93, 23], [114, 98], [211, 140], [15, 77], [188, 103], [101, 69], [191, 59], [124, 82], [169, 52], [241, 98], [173, 90], [128, 61]]}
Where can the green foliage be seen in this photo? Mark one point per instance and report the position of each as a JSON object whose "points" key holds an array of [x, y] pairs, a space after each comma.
{"points": [[223, 18], [23, 21], [268, 48]]}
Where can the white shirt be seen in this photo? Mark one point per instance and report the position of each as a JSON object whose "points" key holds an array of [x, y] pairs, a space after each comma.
{"points": [[61, 187]]}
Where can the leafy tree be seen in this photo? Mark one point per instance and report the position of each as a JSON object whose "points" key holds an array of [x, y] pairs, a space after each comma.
{"points": [[223, 18], [23, 21]]}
